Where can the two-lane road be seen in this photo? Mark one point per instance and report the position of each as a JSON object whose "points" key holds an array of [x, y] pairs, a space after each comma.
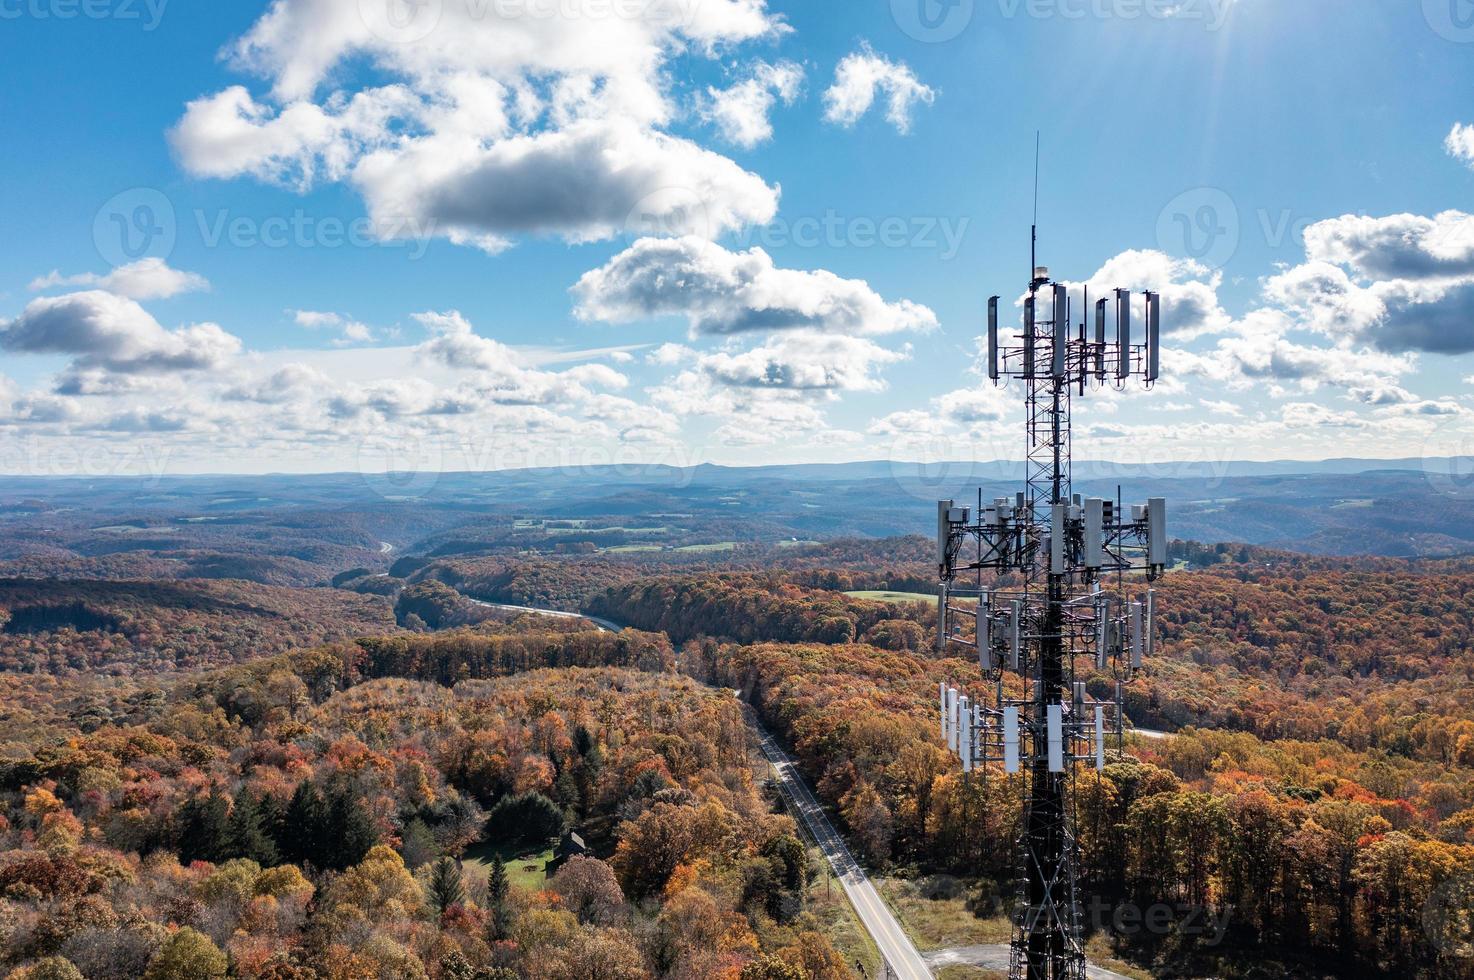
{"points": [[904, 959]]}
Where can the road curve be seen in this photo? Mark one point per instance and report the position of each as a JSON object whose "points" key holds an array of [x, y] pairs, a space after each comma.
{"points": [[904, 959], [606, 625]]}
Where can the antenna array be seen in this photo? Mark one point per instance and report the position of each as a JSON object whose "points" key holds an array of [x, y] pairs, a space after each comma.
{"points": [[1062, 549]]}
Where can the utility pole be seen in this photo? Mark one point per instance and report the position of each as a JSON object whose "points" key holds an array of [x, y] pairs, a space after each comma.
{"points": [[1065, 548]]}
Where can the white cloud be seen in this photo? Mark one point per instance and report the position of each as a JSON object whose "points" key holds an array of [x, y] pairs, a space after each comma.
{"points": [[863, 75], [804, 362], [1401, 283], [1460, 143], [593, 180], [1399, 246], [669, 355], [230, 134], [973, 410], [1308, 415], [292, 383], [491, 121], [1189, 291], [101, 330], [350, 330], [145, 279], [1221, 407], [740, 112], [500, 375], [722, 292]]}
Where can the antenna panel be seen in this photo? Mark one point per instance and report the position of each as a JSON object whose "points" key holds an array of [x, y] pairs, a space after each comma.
{"points": [[1055, 725], [1010, 740], [993, 338], [1156, 531], [1094, 533], [1061, 329], [1153, 336], [1029, 338], [1123, 334]]}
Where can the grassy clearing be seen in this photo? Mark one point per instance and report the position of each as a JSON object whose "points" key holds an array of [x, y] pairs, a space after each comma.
{"points": [[1098, 949], [883, 596], [956, 972], [839, 922], [718, 546], [524, 867], [938, 918]]}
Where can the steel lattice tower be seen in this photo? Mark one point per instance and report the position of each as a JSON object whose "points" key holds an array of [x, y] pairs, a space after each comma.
{"points": [[1063, 547]]}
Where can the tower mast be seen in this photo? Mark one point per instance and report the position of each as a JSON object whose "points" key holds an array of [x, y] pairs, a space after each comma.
{"points": [[1064, 547]]}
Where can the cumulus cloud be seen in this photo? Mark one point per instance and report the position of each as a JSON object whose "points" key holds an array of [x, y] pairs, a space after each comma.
{"points": [[1277, 357], [751, 415], [591, 181], [1189, 291], [145, 279], [350, 330], [292, 383], [491, 122], [722, 292], [500, 374], [741, 111], [1401, 283], [1400, 246], [804, 362], [864, 75], [669, 355], [102, 330], [230, 134], [972, 410], [1460, 143]]}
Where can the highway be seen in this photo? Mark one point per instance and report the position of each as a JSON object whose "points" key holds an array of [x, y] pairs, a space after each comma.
{"points": [[904, 959], [606, 625]]}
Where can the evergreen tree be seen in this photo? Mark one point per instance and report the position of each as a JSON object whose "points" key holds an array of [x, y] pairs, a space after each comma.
{"points": [[302, 828], [417, 844], [245, 834], [349, 832], [499, 924], [447, 888], [273, 816], [529, 818], [203, 829]]}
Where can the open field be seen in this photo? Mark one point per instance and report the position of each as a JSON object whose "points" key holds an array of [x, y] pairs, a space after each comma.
{"points": [[524, 867], [887, 596]]}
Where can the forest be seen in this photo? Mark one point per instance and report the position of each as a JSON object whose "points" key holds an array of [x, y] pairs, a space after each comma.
{"points": [[222, 778]]}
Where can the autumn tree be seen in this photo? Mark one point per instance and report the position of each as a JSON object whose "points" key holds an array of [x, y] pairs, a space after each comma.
{"points": [[590, 891], [188, 955]]}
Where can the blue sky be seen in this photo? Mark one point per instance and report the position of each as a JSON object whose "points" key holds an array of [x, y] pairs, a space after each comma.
{"points": [[1186, 147]]}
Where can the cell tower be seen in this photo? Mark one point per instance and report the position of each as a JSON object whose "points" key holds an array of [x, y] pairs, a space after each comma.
{"points": [[1056, 550]]}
